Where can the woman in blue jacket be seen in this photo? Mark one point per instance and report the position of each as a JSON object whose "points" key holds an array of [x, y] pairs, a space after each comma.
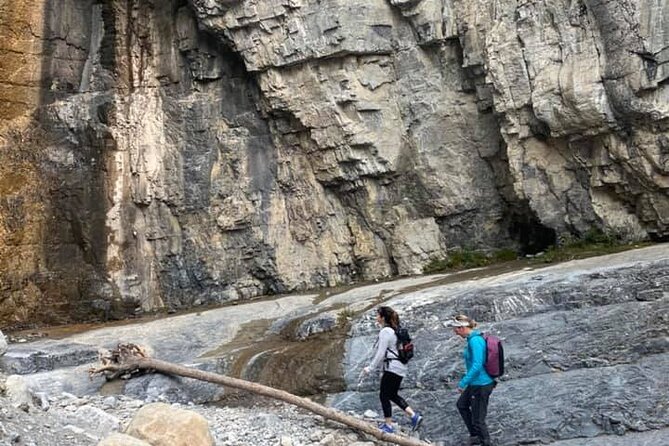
{"points": [[476, 386]]}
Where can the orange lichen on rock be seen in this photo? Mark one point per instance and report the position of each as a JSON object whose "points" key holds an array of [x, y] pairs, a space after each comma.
{"points": [[21, 46]]}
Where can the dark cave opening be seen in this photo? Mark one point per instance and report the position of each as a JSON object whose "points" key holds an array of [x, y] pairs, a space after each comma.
{"points": [[658, 238], [531, 234]]}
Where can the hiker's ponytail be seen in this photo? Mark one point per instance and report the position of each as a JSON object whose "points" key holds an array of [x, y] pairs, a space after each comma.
{"points": [[390, 317]]}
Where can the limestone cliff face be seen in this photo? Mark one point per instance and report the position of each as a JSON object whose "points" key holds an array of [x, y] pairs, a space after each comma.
{"points": [[171, 153]]}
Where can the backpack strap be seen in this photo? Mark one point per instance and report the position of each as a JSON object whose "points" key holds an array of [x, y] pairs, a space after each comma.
{"points": [[396, 354]]}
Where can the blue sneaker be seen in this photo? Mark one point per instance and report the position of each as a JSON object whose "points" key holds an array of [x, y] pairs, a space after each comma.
{"points": [[387, 428], [416, 420]]}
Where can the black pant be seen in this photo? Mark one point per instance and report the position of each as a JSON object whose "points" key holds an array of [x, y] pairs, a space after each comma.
{"points": [[473, 407], [390, 385]]}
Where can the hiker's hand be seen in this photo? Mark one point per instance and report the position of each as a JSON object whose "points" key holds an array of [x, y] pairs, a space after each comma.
{"points": [[366, 370]]}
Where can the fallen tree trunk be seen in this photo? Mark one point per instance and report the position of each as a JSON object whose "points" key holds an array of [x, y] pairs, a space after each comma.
{"points": [[129, 358]]}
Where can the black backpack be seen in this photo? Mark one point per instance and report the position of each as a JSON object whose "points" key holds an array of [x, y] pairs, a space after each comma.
{"points": [[404, 345]]}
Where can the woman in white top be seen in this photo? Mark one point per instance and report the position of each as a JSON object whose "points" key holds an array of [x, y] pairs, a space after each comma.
{"points": [[393, 369]]}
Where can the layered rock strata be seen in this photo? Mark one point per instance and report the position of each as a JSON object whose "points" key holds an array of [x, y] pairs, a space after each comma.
{"points": [[171, 154]]}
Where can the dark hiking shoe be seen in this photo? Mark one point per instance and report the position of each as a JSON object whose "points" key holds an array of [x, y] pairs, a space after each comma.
{"points": [[474, 441]]}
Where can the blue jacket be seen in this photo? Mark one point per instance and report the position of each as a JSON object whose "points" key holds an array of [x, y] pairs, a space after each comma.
{"points": [[474, 355]]}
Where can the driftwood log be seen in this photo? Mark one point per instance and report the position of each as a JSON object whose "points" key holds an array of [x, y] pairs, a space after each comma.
{"points": [[129, 359]]}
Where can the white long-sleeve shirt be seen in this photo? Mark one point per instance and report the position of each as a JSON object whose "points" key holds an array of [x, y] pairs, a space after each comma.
{"points": [[386, 348]]}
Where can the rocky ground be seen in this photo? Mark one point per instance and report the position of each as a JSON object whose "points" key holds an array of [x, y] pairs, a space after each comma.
{"points": [[67, 420]]}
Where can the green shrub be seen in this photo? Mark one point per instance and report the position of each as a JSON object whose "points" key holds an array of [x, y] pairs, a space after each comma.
{"points": [[435, 266], [504, 255], [344, 316], [596, 236], [465, 258]]}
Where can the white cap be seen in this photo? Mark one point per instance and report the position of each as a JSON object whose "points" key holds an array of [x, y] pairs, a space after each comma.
{"points": [[455, 323]]}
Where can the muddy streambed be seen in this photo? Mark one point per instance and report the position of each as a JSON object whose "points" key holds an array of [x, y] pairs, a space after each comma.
{"points": [[313, 365], [309, 367]]}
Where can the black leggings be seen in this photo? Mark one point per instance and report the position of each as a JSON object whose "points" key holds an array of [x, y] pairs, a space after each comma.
{"points": [[473, 407], [390, 385]]}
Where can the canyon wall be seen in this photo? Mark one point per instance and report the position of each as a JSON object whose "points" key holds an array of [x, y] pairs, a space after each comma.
{"points": [[168, 154]]}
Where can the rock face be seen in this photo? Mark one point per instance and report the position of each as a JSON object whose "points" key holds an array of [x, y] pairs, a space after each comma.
{"points": [[174, 153]]}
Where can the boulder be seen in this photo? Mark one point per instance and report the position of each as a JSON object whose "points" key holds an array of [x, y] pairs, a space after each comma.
{"points": [[163, 425], [18, 391], [94, 419]]}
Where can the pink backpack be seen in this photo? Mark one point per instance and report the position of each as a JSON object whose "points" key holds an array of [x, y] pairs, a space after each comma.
{"points": [[494, 358]]}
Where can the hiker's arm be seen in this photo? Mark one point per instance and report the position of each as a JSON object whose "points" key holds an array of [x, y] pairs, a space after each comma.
{"points": [[477, 349], [381, 347]]}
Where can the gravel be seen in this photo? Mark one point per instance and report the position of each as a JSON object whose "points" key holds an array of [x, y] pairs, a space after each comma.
{"points": [[67, 420]]}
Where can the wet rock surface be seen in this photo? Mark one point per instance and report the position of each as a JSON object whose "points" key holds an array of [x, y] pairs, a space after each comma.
{"points": [[587, 346]]}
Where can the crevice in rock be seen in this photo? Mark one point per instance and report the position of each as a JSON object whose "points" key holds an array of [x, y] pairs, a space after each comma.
{"points": [[227, 152], [520, 221], [109, 37]]}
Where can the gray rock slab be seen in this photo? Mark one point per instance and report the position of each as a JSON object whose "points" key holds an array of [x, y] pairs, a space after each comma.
{"points": [[586, 356], [658, 437], [176, 389], [49, 355], [73, 380], [578, 314], [540, 409]]}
